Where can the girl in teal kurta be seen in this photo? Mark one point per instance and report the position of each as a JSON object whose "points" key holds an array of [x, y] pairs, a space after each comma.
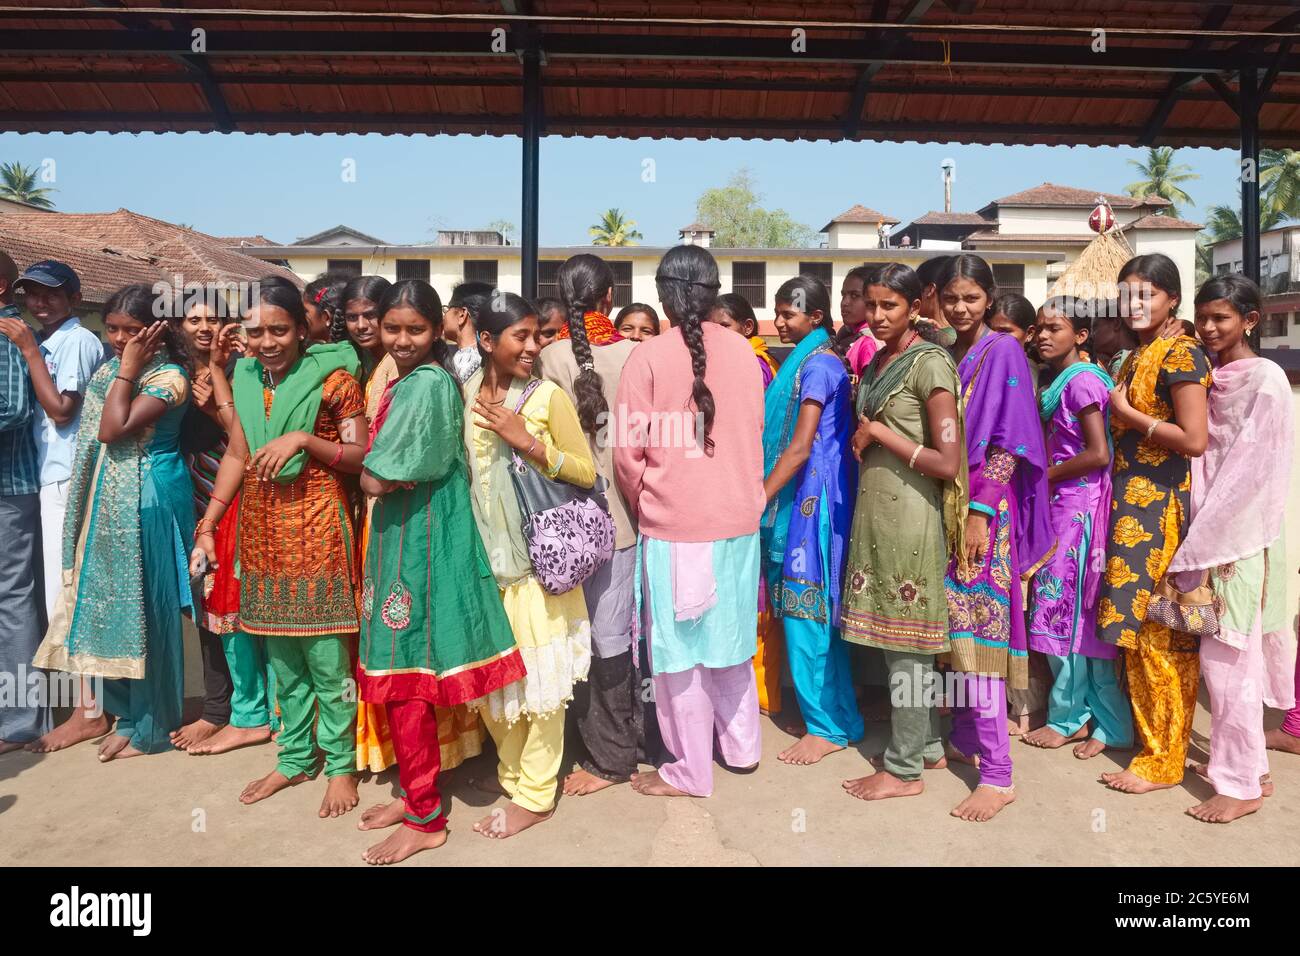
{"points": [[128, 529], [433, 630]]}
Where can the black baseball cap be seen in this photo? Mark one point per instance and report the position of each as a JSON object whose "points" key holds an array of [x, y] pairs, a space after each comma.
{"points": [[52, 274]]}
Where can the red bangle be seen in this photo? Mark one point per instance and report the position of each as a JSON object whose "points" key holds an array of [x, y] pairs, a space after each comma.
{"points": [[219, 501], [338, 457]]}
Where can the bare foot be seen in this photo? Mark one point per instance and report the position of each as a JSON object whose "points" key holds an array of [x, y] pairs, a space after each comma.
{"points": [[878, 761], [581, 782], [882, 786], [230, 738], [1126, 781], [983, 804], [340, 796], [505, 822], [653, 785], [9, 747], [266, 786], [1266, 785], [1280, 740], [383, 815], [193, 734], [1089, 748], [1049, 739], [1221, 809], [403, 843], [116, 747], [952, 753], [74, 730], [807, 750]]}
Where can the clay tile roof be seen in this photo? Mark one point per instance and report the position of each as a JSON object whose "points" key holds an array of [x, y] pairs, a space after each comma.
{"points": [[113, 249], [860, 213], [933, 218], [237, 242], [1157, 221], [1050, 194], [696, 227]]}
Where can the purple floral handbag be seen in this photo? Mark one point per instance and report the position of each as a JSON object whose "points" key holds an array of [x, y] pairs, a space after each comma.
{"points": [[568, 529]]}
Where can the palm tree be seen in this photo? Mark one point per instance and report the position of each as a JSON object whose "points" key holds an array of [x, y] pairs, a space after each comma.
{"points": [[1224, 222], [614, 230], [1279, 181], [1161, 178], [18, 183]]}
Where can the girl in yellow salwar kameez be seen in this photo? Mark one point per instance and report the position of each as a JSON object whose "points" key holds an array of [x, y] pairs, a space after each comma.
{"points": [[526, 718], [1158, 421]]}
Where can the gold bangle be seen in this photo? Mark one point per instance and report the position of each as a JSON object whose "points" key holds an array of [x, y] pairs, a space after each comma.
{"points": [[222, 405]]}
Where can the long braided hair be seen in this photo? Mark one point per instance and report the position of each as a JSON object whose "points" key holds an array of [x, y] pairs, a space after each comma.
{"points": [[582, 282], [687, 283]]}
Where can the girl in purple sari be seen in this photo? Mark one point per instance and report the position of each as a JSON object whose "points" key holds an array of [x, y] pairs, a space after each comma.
{"points": [[1008, 532]]}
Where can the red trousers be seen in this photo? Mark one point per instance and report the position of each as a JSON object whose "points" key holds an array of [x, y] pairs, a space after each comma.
{"points": [[414, 728]]}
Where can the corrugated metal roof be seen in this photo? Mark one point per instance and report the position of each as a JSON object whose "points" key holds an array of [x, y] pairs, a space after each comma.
{"points": [[659, 69]]}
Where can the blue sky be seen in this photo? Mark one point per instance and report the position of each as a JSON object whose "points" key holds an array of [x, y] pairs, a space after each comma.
{"points": [[405, 188]]}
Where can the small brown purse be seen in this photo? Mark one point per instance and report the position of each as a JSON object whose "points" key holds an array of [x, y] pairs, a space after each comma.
{"points": [[1193, 612]]}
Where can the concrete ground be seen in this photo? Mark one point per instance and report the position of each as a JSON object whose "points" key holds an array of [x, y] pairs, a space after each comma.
{"points": [[67, 809]]}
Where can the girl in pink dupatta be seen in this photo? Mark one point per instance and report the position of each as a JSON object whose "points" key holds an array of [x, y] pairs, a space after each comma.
{"points": [[1239, 491]]}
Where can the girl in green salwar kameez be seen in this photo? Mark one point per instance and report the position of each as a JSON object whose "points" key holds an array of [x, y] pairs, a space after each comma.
{"points": [[907, 523], [433, 629]]}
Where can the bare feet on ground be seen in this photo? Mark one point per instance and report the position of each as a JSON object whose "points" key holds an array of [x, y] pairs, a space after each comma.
{"points": [[340, 796], [882, 786], [983, 804], [1091, 748], [404, 842], [115, 747], [230, 738], [952, 753], [807, 750], [1265, 783], [653, 785], [1221, 809], [581, 782], [383, 815], [506, 821], [269, 785], [1279, 739], [7, 746], [193, 734], [74, 730], [1126, 781], [1048, 739]]}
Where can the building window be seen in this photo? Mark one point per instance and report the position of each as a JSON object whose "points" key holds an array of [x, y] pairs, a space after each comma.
{"points": [[818, 270], [1010, 278], [1295, 318], [343, 267], [481, 270], [622, 283], [749, 280], [1273, 326], [547, 270], [412, 269]]}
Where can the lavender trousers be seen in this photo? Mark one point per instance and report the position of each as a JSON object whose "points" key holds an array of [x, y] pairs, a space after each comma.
{"points": [[979, 726], [695, 705]]}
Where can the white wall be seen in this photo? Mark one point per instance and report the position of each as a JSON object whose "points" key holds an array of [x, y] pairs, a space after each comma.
{"points": [[1177, 244], [853, 235], [1055, 219]]}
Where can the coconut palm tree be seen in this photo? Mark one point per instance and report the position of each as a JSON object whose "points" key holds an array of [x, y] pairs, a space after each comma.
{"points": [[1279, 181], [1161, 177], [614, 229], [17, 182]]}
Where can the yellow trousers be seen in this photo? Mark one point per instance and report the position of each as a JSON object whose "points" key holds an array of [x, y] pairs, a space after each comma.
{"points": [[529, 753], [1163, 669]]}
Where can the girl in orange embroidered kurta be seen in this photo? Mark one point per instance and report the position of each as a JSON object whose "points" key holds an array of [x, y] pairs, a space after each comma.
{"points": [[1159, 422], [299, 427]]}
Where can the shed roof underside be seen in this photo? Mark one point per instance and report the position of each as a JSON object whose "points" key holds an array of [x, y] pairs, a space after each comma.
{"points": [[977, 71]]}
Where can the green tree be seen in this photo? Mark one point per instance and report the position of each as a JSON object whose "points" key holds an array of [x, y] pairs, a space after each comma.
{"points": [[1224, 223], [19, 183], [1161, 177], [733, 211], [614, 229], [1279, 182], [505, 227]]}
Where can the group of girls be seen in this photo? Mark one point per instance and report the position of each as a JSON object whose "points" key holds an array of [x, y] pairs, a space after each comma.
{"points": [[364, 589]]}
